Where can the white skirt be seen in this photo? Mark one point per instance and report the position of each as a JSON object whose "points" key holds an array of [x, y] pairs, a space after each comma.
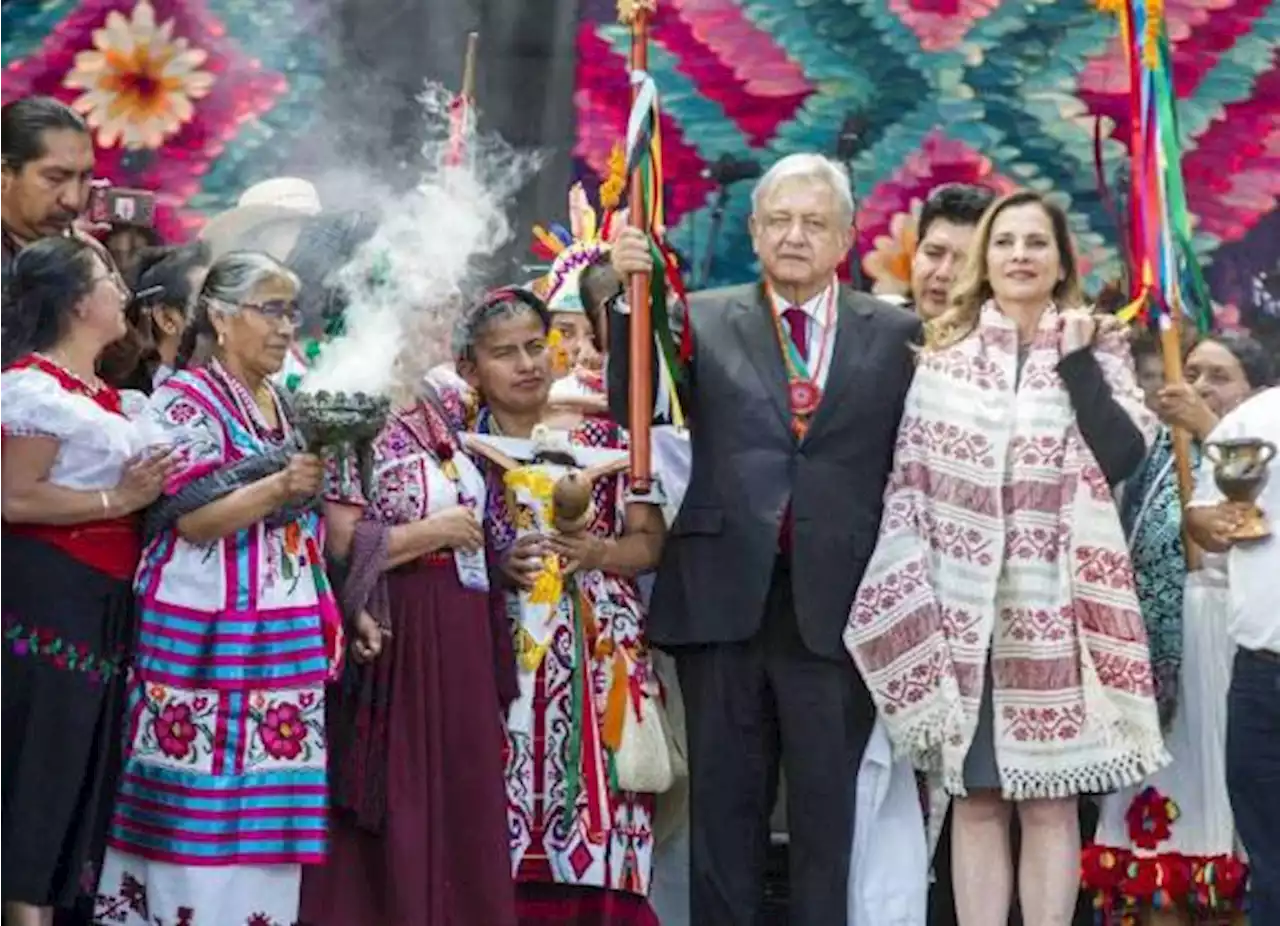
{"points": [[1196, 780], [135, 891]]}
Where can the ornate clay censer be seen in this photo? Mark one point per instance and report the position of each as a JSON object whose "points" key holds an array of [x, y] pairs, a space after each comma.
{"points": [[338, 424]]}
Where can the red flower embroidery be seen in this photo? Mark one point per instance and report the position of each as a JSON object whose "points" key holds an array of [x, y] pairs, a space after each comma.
{"points": [[1102, 868], [283, 731], [1220, 882], [174, 730], [443, 451], [182, 412], [1150, 818], [1124, 882]]}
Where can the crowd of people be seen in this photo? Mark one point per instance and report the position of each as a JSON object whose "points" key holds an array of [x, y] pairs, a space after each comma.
{"points": [[921, 573]]}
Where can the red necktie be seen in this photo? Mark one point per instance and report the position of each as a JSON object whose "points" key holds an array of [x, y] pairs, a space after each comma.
{"points": [[798, 324]]}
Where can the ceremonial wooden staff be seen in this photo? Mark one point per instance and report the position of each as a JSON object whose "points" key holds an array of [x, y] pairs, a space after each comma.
{"points": [[462, 109], [637, 14], [1171, 355]]}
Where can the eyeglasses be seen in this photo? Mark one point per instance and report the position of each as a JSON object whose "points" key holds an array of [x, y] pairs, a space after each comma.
{"points": [[277, 310]]}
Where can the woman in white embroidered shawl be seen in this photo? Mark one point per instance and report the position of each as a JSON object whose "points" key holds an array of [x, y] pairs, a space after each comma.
{"points": [[997, 625]]}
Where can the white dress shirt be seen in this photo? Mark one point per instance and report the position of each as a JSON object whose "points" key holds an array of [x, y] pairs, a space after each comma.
{"points": [[819, 311], [1251, 567]]}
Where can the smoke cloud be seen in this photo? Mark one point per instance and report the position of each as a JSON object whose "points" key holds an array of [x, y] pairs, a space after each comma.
{"points": [[406, 285]]}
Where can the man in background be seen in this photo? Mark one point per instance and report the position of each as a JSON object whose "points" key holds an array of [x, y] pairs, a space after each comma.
{"points": [[944, 230], [46, 171], [1253, 702]]}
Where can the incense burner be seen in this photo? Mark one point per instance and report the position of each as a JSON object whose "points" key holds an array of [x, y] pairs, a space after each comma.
{"points": [[341, 424], [1240, 470]]}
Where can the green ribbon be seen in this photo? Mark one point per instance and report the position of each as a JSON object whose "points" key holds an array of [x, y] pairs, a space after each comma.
{"points": [[658, 309], [573, 758], [1191, 280]]}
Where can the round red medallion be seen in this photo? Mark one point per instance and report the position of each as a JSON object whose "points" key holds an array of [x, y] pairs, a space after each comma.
{"points": [[804, 397]]}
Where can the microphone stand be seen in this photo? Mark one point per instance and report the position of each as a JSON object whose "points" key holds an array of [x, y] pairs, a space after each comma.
{"points": [[717, 219], [847, 144]]}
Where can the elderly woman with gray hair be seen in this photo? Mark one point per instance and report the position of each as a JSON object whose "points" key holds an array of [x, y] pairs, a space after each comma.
{"points": [[224, 788]]}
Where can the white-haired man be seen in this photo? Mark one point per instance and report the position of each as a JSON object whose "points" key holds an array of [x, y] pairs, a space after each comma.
{"points": [[794, 395]]}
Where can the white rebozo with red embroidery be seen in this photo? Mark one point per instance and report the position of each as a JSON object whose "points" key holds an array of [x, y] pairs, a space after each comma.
{"points": [[1001, 546]]}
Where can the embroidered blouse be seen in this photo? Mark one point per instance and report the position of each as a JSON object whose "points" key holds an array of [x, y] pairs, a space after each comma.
{"points": [[235, 640], [98, 432], [410, 481]]}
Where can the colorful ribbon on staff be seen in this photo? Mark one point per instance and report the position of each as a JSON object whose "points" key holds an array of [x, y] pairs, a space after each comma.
{"points": [[1167, 276], [644, 154]]}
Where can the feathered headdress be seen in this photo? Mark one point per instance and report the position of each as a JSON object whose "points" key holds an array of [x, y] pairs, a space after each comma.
{"points": [[571, 250]]}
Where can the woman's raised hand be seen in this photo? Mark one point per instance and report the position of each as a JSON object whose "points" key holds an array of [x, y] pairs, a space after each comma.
{"points": [[143, 479], [1078, 331]]}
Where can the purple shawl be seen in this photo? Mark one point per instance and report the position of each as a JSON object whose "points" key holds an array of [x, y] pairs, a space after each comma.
{"points": [[359, 708]]}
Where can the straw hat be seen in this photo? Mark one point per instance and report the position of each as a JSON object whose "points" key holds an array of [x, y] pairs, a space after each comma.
{"points": [[268, 217]]}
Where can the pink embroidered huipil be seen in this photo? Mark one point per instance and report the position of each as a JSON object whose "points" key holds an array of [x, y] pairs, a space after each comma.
{"points": [[223, 795]]}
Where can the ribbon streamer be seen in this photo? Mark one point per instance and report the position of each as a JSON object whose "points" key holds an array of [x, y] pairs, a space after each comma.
{"points": [[1166, 280], [643, 155]]}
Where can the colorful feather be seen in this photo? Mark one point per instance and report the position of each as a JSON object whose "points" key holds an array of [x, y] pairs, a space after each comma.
{"points": [[613, 186], [545, 244], [565, 236], [582, 217]]}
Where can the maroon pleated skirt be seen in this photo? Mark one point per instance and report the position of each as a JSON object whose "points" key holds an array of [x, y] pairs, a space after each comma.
{"points": [[441, 857]]}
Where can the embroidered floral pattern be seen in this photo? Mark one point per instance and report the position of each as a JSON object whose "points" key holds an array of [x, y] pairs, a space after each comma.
{"points": [[285, 728], [42, 643], [286, 558], [283, 732], [174, 730], [129, 903], [1150, 818], [130, 897], [176, 726], [1123, 882]]}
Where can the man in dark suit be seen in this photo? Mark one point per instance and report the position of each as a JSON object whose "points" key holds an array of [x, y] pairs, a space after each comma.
{"points": [[793, 394]]}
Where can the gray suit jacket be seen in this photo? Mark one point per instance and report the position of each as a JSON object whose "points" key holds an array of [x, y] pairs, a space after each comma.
{"points": [[718, 562]]}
